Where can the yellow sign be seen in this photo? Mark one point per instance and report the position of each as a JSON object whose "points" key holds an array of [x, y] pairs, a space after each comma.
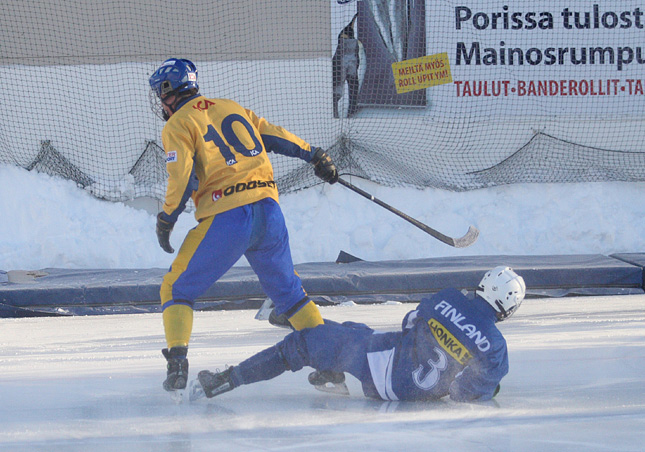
{"points": [[449, 342], [422, 72]]}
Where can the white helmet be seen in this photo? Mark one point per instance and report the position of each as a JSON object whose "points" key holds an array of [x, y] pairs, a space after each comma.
{"points": [[503, 289]]}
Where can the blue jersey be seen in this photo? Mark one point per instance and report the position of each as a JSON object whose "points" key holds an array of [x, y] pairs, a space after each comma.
{"points": [[448, 345]]}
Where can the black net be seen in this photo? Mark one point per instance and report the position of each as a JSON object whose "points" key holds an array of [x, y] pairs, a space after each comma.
{"points": [[402, 92]]}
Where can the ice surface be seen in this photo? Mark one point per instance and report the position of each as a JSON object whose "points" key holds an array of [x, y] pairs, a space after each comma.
{"points": [[576, 382]]}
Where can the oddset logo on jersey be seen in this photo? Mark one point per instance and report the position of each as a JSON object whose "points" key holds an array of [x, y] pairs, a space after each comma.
{"points": [[171, 157], [242, 186]]}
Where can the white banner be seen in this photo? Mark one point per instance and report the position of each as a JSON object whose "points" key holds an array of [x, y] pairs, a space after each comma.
{"points": [[539, 57]]}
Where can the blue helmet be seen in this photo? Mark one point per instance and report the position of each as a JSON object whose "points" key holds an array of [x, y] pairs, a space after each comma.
{"points": [[174, 76]]}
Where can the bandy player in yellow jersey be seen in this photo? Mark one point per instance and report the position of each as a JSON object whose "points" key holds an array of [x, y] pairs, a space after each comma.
{"points": [[216, 153]]}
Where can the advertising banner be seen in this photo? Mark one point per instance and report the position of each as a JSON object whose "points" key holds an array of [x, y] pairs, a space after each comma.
{"points": [[570, 58]]}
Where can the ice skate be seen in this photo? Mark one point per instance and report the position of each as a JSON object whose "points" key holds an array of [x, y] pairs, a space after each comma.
{"points": [[210, 384], [177, 374], [329, 381]]}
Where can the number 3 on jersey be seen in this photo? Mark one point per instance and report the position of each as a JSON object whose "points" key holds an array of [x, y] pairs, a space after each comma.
{"points": [[427, 379], [233, 140]]}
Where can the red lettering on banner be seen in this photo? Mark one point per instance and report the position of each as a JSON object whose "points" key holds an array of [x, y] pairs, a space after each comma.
{"points": [[584, 87], [553, 88], [432, 65], [563, 87], [573, 87], [482, 88], [544, 88]]}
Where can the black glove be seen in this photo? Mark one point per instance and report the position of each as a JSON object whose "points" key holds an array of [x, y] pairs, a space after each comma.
{"points": [[164, 228], [496, 390], [324, 168]]}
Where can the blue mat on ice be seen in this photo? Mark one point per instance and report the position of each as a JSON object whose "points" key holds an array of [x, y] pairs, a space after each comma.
{"points": [[55, 291]]}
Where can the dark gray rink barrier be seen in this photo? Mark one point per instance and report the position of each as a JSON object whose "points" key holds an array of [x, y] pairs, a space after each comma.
{"points": [[54, 291]]}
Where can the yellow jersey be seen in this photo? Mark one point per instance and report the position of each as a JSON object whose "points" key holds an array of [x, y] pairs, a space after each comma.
{"points": [[225, 145]]}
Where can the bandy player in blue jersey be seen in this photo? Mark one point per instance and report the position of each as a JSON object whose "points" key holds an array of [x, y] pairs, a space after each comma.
{"points": [[448, 345], [216, 154]]}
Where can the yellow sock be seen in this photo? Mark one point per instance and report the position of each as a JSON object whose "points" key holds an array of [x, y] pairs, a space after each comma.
{"points": [[178, 324], [307, 317]]}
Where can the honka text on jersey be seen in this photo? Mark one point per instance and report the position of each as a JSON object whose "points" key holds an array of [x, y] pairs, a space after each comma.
{"points": [[449, 342], [458, 319]]}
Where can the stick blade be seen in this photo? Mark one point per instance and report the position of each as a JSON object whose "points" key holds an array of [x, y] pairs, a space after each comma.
{"points": [[468, 239]]}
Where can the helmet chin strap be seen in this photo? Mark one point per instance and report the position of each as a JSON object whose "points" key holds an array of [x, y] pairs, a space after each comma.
{"points": [[502, 314]]}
